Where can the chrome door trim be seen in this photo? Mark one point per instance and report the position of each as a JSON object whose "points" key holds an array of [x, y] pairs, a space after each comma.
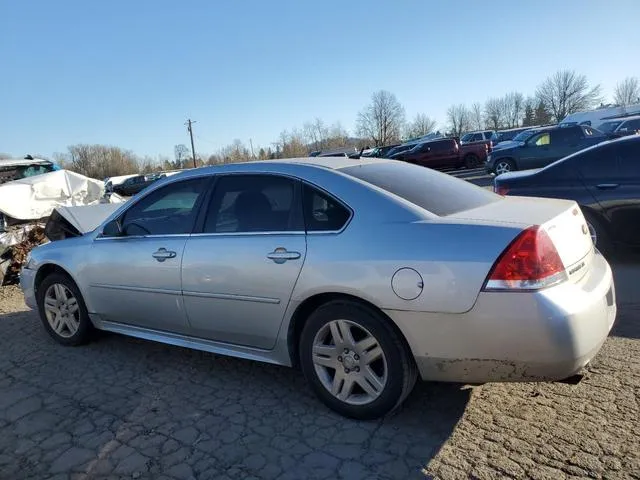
{"points": [[138, 237], [136, 289], [245, 234], [229, 296]]}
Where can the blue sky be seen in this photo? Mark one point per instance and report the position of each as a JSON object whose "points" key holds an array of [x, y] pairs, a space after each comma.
{"points": [[129, 73]]}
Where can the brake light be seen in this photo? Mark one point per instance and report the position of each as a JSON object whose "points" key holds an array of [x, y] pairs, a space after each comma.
{"points": [[501, 189], [530, 262]]}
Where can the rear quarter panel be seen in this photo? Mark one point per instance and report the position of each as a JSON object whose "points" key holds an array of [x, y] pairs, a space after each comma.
{"points": [[452, 259]]}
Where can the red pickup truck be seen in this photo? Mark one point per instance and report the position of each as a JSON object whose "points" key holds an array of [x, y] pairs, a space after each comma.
{"points": [[445, 153]]}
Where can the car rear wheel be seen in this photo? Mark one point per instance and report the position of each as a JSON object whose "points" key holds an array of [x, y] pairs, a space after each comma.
{"points": [[504, 166], [599, 235], [471, 161], [62, 310], [354, 361]]}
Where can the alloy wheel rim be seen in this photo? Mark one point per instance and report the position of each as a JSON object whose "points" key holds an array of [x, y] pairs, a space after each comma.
{"points": [[62, 310], [503, 167], [349, 362]]}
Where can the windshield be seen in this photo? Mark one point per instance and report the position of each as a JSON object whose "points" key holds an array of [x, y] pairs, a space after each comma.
{"points": [[436, 192], [523, 136], [466, 137]]}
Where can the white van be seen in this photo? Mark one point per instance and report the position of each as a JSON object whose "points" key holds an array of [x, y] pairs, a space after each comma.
{"points": [[600, 115]]}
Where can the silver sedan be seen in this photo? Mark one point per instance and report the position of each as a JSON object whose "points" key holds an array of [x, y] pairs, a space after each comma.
{"points": [[366, 274]]}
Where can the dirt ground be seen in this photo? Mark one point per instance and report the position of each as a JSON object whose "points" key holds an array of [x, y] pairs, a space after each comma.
{"points": [[126, 408]]}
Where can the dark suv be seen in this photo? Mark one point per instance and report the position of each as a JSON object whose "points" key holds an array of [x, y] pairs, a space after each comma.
{"points": [[543, 147]]}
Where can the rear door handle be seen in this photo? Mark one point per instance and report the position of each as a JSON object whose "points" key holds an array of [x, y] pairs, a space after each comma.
{"points": [[162, 254], [607, 186], [281, 255]]}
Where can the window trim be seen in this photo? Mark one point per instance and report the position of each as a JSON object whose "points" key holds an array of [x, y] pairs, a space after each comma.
{"points": [[333, 197], [198, 231], [208, 182]]}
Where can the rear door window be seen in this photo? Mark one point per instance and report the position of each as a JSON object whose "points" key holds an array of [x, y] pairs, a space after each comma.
{"points": [[253, 203], [629, 159], [596, 164]]}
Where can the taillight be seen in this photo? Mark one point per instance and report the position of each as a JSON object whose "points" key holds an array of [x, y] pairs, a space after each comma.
{"points": [[530, 262], [501, 189]]}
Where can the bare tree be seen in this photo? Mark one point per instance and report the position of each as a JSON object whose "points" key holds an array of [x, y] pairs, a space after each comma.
{"points": [[494, 113], [459, 119], [382, 120], [627, 92], [316, 133], [566, 92], [98, 161], [421, 125], [182, 153], [477, 122], [513, 104]]}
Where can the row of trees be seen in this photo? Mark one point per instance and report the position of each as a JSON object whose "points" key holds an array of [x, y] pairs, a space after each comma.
{"points": [[562, 94], [381, 122]]}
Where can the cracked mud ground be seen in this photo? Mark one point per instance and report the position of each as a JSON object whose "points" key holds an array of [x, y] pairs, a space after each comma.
{"points": [[126, 408]]}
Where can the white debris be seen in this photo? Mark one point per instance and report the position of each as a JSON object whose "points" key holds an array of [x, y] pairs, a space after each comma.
{"points": [[35, 197]]}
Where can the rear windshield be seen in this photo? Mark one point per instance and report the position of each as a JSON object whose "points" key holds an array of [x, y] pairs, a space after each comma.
{"points": [[437, 192]]}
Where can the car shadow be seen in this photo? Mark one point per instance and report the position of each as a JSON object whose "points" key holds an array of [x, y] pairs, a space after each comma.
{"points": [[626, 273], [227, 408]]}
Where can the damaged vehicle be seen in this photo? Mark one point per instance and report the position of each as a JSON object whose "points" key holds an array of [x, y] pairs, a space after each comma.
{"points": [[367, 274], [17, 168], [27, 204]]}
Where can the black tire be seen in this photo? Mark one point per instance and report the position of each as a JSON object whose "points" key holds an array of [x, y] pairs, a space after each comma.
{"points": [[85, 328], [401, 372], [603, 241], [471, 161], [508, 163]]}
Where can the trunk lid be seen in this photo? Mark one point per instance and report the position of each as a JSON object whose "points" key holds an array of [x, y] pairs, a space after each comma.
{"points": [[561, 219]]}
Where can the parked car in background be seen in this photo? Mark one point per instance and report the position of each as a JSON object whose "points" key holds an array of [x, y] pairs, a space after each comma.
{"points": [[518, 139], [133, 185], [609, 126], [445, 153], [603, 179], [273, 261], [598, 116], [509, 134], [400, 148], [628, 126], [16, 168], [380, 152], [480, 136], [542, 147]]}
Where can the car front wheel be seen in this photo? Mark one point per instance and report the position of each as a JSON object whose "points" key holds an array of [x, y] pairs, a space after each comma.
{"points": [[354, 360], [504, 166], [62, 310]]}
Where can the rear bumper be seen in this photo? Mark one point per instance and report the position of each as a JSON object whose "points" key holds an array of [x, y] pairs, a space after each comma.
{"points": [[509, 337]]}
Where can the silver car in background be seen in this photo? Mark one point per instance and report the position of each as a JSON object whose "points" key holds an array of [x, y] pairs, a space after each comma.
{"points": [[367, 274]]}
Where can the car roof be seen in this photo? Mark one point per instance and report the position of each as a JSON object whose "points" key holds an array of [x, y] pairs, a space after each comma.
{"points": [[631, 117], [329, 163], [17, 162]]}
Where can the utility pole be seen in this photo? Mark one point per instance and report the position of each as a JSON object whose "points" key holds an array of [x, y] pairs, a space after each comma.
{"points": [[253, 157], [193, 149]]}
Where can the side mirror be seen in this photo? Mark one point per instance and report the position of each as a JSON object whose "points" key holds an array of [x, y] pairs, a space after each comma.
{"points": [[112, 229]]}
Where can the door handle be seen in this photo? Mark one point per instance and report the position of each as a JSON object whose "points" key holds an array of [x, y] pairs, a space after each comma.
{"points": [[607, 186], [281, 255], [162, 254]]}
